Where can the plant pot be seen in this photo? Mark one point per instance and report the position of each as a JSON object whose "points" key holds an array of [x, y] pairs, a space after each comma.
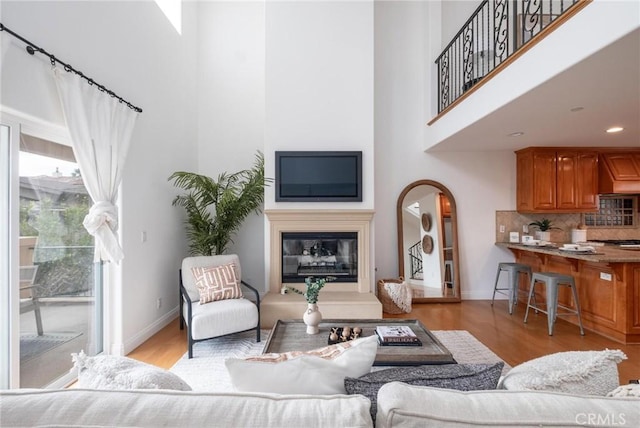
{"points": [[312, 318], [543, 236]]}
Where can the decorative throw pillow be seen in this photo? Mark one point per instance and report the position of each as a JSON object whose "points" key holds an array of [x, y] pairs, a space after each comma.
{"points": [[113, 372], [574, 372], [463, 377], [321, 371], [217, 283], [631, 390]]}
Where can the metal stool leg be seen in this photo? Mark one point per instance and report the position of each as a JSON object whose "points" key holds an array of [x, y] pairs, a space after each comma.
{"points": [[552, 304], [531, 292], [495, 286], [577, 302]]}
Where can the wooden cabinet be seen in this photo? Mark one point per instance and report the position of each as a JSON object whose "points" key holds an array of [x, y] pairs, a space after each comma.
{"points": [[445, 205], [609, 292], [556, 180], [620, 172]]}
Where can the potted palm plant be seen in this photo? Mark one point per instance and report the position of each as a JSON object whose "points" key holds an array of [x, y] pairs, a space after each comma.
{"points": [[217, 208], [544, 228]]}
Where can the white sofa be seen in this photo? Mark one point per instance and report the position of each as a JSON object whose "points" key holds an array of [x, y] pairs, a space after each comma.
{"points": [[399, 405]]}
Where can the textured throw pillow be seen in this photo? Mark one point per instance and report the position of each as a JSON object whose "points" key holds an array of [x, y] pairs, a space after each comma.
{"points": [[574, 372], [631, 390], [321, 371], [217, 283], [113, 372], [463, 377]]}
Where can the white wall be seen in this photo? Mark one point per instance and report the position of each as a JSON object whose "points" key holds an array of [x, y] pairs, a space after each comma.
{"points": [[432, 264], [480, 182], [319, 89], [454, 15], [319, 86], [131, 48], [231, 108]]}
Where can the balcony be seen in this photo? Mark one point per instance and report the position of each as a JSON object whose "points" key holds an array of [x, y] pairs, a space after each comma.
{"points": [[530, 74]]}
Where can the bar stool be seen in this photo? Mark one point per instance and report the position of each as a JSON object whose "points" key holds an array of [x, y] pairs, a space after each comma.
{"points": [[513, 269], [552, 281]]}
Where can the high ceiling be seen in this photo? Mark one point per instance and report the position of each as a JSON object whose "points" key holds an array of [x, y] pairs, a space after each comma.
{"points": [[607, 87]]}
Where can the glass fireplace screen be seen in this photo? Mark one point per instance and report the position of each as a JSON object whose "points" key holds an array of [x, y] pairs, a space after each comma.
{"points": [[319, 254]]}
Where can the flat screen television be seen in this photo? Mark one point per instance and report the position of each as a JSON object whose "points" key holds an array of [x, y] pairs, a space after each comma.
{"points": [[329, 176]]}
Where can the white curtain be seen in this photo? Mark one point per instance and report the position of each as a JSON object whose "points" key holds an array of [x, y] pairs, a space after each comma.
{"points": [[100, 128]]}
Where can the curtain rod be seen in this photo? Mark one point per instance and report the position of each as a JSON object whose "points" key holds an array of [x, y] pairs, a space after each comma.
{"points": [[32, 49]]}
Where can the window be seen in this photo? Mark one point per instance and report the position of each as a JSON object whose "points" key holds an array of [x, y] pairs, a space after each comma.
{"points": [[615, 211]]}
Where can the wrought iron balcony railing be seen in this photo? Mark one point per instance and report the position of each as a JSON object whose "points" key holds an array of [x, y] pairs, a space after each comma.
{"points": [[495, 31]]}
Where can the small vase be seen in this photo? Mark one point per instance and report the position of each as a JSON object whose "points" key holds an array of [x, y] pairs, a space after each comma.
{"points": [[312, 318]]}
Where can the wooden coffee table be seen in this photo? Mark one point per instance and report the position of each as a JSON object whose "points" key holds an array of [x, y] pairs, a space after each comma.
{"points": [[291, 335]]}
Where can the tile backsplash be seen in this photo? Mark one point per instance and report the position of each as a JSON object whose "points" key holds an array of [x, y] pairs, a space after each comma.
{"points": [[513, 221]]}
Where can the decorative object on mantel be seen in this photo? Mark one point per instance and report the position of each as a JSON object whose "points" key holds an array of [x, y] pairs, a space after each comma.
{"points": [[544, 229], [312, 315], [217, 208], [427, 244], [426, 221]]}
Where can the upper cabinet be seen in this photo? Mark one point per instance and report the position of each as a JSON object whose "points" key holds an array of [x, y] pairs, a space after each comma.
{"points": [[559, 180], [620, 172], [445, 205]]}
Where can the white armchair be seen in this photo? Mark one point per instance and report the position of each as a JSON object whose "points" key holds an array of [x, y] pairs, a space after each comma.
{"points": [[217, 318]]}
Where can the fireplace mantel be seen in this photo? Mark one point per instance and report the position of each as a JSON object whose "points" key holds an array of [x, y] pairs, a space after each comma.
{"points": [[358, 221], [347, 300]]}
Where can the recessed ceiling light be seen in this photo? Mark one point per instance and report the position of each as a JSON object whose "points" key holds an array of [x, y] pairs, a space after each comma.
{"points": [[516, 134], [615, 129], [575, 109]]}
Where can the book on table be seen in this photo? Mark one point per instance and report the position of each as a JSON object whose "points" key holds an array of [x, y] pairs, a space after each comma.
{"points": [[397, 335]]}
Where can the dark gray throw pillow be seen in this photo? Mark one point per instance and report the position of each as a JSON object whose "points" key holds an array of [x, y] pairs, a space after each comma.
{"points": [[463, 377]]}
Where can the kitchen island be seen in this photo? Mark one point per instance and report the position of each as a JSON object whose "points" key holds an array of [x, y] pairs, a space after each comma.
{"points": [[608, 284]]}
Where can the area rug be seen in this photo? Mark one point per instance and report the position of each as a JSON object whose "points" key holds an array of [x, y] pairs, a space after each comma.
{"points": [[207, 372], [32, 345]]}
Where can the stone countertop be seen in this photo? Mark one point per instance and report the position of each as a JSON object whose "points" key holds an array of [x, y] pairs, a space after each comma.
{"points": [[603, 254]]}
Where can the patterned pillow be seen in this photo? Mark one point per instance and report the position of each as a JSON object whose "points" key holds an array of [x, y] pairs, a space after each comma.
{"points": [[217, 283], [463, 377], [321, 371]]}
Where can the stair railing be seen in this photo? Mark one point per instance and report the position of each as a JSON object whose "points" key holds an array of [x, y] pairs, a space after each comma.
{"points": [[415, 259], [494, 32]]}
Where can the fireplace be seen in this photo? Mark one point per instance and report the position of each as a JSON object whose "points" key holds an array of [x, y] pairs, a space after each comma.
{"points": [[319, 254], [316, 242]]}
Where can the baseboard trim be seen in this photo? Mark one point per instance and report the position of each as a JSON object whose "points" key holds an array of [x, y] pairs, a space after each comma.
{"points": [[145, 334]]}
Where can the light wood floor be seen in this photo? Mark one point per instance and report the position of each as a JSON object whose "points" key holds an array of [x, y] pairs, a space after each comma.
{"points": [[506, 335]]}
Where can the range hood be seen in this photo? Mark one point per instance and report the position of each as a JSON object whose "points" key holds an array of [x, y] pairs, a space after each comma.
{"points": [[619, 173]]}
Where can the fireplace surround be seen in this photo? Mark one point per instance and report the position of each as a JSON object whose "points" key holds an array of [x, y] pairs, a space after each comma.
{"points": [[357, 222], [345, 298]]}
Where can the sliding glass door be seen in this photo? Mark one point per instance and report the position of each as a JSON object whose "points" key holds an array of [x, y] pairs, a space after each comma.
{"points": [[56, 291], [5, 269]]}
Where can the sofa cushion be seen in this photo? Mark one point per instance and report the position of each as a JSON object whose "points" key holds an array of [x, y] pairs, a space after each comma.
{"points": [[402, 405], [216, 282], [113, 372], [320, 371], [162, 408], [464, 377], [576, 372]]}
